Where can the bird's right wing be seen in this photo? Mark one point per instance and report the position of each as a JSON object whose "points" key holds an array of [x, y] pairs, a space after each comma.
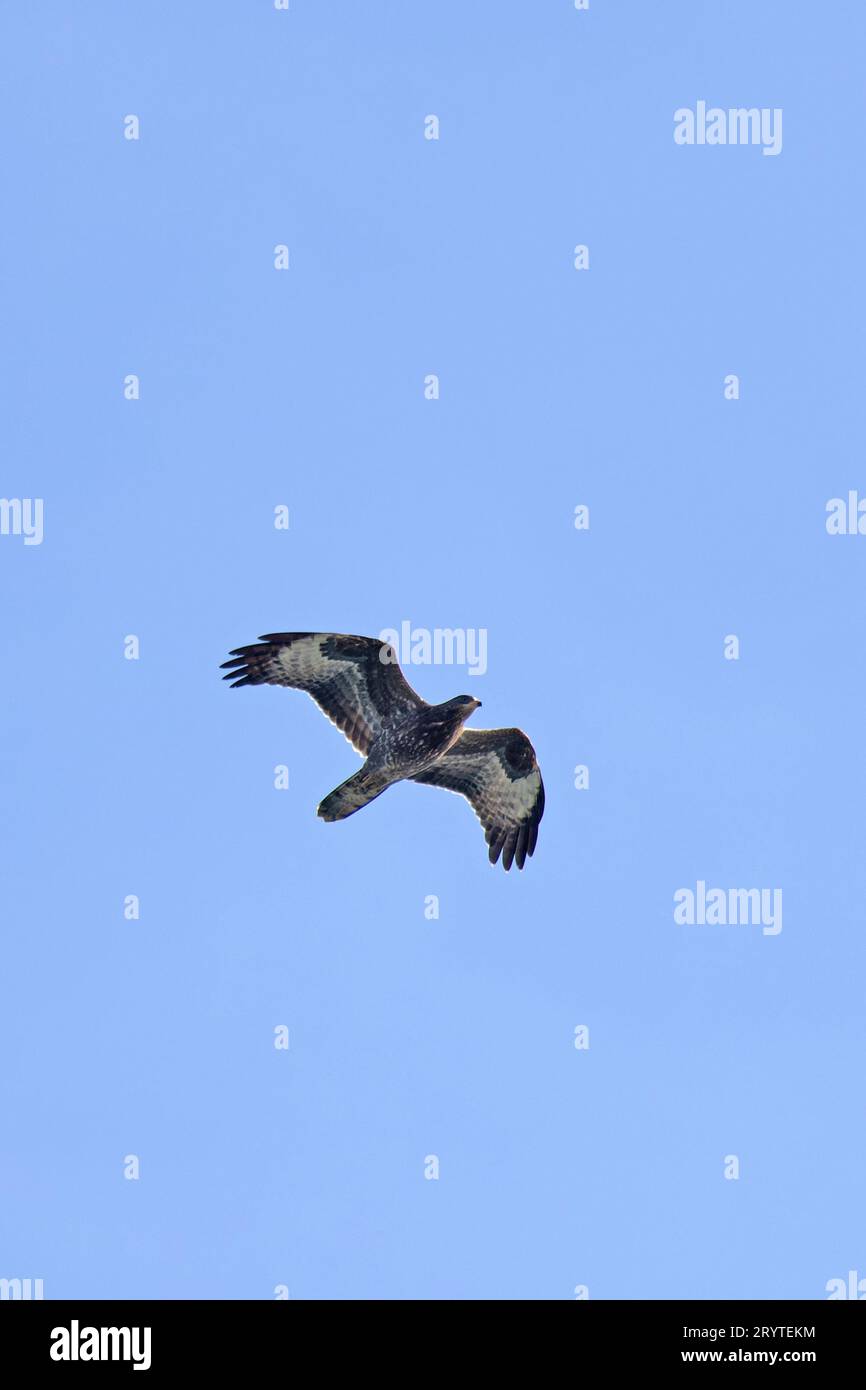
{"points": [[355, 681], [496, 770]]}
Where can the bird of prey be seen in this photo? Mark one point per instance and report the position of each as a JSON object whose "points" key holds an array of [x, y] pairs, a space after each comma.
{"points": [[358, 684]]}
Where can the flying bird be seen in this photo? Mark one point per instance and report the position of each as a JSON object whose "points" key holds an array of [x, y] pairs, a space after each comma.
{"points": [[358, 684]]}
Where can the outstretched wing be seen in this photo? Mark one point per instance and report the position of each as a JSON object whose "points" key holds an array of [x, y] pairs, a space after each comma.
{"points": [[496, 770], [355, 681]]}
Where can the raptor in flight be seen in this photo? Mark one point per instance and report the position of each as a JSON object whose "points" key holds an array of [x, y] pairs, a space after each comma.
{"points": [[358, 684]]}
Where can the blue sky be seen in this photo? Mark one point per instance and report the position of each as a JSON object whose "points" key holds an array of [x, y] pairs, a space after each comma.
{"points": [[559, 1167]]}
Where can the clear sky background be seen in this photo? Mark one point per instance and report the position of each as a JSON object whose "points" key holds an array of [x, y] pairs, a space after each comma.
{"points": [[409, 1037]]}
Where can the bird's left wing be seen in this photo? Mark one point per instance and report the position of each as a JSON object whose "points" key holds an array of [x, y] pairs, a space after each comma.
{"points": [[496, 770], [355, 681]]}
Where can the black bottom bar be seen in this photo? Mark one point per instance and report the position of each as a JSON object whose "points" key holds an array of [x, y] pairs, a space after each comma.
{"points": [[220, 1338]]}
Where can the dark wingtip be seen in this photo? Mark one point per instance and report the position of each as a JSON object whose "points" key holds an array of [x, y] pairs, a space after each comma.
{"points": [[508, 851]]}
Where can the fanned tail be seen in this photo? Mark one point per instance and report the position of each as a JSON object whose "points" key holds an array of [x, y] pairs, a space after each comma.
{"points": [[352, 794]]}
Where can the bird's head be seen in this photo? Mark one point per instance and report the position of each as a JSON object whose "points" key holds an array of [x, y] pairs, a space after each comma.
{"points": [[464, 704]]}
